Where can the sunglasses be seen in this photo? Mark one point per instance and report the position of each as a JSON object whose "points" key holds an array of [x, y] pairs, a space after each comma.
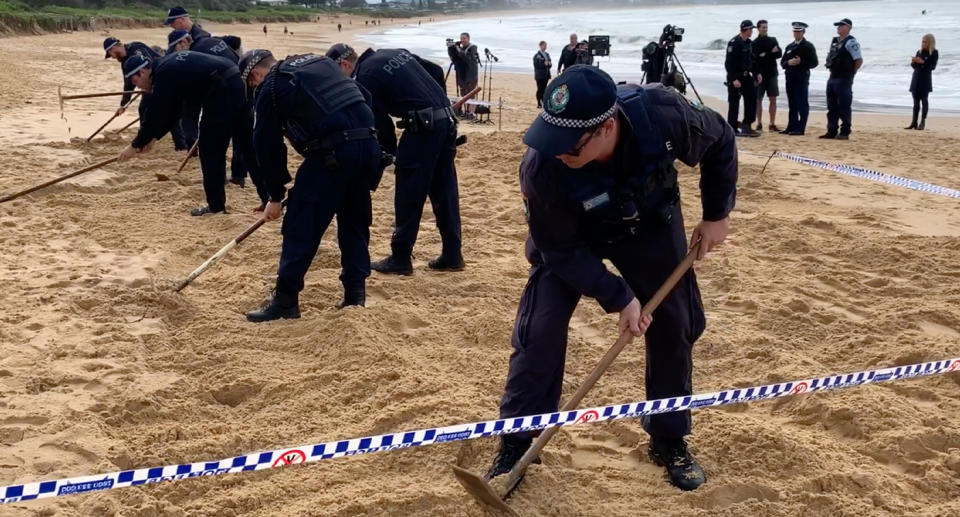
{"points": [[578, 149]]}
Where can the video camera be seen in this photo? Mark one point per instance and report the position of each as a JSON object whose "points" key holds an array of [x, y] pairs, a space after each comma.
{"points": [[671, 35]]}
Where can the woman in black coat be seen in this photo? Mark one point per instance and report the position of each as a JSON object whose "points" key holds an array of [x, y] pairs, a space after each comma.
{"points": [[922, 83], [541, 71]]}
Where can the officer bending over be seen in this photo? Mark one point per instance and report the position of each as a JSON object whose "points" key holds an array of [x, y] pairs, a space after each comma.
{"points": [[329, 122], [190, 77], [402, 88], [179, 18], [599, 183]]}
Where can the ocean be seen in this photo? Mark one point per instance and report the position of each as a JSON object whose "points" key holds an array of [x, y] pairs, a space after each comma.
{"points": [[889, 33]]}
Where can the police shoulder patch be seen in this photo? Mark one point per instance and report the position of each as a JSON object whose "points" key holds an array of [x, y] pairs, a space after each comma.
{"points": [[559, 99]]}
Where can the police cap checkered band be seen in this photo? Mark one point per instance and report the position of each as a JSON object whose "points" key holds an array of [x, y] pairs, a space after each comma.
{"points": [[341, 51], [134, 64], [251, 60], [578, 123]]}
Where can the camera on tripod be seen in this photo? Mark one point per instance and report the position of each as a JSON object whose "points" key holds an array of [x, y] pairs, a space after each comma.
{"points": [[671, 35], [660, 62]]}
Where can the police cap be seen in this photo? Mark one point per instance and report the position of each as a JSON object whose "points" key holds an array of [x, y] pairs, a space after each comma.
{"points": [[174, 13], [176, 37], [250, 60], [799, 26], [108, 44], [341, 51], [845, 21], [746, 24], [134, 64], [580, 98]]}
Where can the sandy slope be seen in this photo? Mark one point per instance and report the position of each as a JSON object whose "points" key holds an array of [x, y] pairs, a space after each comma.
{"points": [[102, 367]]}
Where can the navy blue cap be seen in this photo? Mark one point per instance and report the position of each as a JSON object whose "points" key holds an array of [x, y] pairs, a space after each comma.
{"points": [[746, 24], [845, 21], [578, 99], [174, 13], [108, 44], [232, 41], [176, 36], [341, 51], [133, 64], [799, 26]]}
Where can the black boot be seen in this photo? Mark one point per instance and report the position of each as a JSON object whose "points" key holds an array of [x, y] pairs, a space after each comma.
{"points": [[392, 265], [512, 448], [353, 296], [281, 305], [447, 263], [922, 125], [684, 471]]}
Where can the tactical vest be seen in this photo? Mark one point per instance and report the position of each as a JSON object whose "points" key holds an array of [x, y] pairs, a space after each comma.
{"points": [[839, 60], [644, 191], [321, 80]]}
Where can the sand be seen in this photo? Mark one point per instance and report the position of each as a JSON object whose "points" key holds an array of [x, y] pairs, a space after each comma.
{"points": [[103, 367]]}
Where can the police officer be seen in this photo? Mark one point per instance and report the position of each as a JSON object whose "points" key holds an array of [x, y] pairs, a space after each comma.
{"points": [[740, 80], [466, 61], [766, 52], [799, 58], [200, 79], [179, 18], [843, 61], [329, 122], [402, 88], [179, 40], [599, 183]]}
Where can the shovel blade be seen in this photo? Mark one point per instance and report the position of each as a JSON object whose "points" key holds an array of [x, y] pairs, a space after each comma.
{"points": [[481, 490]]}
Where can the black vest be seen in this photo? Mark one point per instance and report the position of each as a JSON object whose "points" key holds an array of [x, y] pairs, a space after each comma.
{"points": [[839, 60]]}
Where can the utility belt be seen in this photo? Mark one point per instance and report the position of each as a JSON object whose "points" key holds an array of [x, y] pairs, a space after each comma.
{"points": [[324, 147], [425, 120], [625, 217]]}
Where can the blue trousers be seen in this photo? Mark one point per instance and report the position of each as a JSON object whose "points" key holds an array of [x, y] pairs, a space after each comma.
{"points": [[223, 119], [798, 99], [749, 94], [425, 168], [317, 196], [839, 105], [535, 379]]}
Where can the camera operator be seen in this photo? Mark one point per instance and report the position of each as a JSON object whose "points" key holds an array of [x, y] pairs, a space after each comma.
{"points": [[466, 60], [568, 56], [582, 55], [541, 71]]}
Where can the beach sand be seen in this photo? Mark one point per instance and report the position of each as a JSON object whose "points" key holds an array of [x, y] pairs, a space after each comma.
{"points": [[103, 367]]}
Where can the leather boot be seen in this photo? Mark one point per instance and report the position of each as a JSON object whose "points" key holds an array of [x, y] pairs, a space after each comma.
{"points": [[682, 469], [512, 448], [447, 263], [353, 296], [923, 124], [392, 265], [281, 305]]}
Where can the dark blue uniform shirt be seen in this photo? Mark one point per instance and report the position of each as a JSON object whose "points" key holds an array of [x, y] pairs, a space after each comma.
{"points": [[559, 229], [133, 48], [739, 60], [177, 78], [197, 32], [215, 47]]}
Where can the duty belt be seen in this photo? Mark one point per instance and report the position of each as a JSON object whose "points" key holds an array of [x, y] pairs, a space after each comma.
{"points": [[325, 146], [425, 120]]}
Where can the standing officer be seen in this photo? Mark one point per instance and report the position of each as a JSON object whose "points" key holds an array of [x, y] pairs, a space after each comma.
{"points": [[402, 88], [599, 183], [541, 71], [766, 51], [843, 60], [179, 18], [466, 61], [329, 122], [740, 80], [799, 58], [198, 79]]}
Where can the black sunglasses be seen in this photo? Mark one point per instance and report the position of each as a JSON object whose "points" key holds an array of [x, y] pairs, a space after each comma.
{"points": [[578, 149]]}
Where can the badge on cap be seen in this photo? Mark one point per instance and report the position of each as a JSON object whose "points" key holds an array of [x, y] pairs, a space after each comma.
{"points": [[559, 99]]}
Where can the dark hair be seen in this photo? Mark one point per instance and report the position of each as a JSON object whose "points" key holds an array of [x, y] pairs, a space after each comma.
{"points": [[761, 22], [543, 43], [467, 34]]}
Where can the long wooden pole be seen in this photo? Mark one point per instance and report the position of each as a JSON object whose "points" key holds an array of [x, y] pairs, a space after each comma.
{"points": [[115, 115], [463, 100], [57, 180], [189, 155], [91, 95], [124, 128]]}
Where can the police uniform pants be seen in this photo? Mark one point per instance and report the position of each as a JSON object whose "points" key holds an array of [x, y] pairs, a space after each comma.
{"points": [[223, 118], [535, 380], [839, 105], [749, 94], [317, 196], [541, 88], [424, 169], [244, 159], [799, 105], [189, 124]]}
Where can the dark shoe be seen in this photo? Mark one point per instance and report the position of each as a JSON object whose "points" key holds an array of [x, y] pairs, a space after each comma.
{"points": [[795, 133], [444, 263], [204, 210], [280, 306], [392, 266], [827, 136], [923, 124], [512, 448], [785, 132], [843, 137], [760, 126], [753, 134], [773, 127], [353, 297], [240, 182], [913, 125], [684, 471]]}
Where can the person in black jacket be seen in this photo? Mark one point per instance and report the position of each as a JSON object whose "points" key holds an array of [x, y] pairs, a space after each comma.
{"points": [[541, 71], [800, 57], [924, 63], [740, 80], [766, 52], [179, 18], [568, 56], [466, 61]]}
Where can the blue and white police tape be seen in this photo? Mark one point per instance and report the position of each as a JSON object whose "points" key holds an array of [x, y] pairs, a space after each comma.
{"points": [[387, 442], [873, 175]]}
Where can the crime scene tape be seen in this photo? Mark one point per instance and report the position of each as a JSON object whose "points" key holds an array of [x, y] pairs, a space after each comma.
{"points": [[873, 175], [402, 440]]}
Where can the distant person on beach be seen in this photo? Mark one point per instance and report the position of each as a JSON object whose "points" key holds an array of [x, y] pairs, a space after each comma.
{"points": [[598, 182], [799, 58], [285, 31], [923, 63], [179, 18], [766, 55], [466, 62], [843, 61], [339, 27], [541, 71], [741, 81], [568, 55], [264, 30]]}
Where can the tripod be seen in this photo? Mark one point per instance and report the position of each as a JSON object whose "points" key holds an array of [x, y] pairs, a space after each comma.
{"points": [[668, 75], [486, 94]]}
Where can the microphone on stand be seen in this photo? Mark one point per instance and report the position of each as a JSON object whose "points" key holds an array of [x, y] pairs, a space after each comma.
{"points": [[490, 55]]}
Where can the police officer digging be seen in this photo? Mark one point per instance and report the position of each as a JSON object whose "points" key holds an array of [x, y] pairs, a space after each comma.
{"points": [[766, 52], [740, 80], [599, 183], [843, 61], [799, 58], [329, 122], [401, 87], [198, 79]]}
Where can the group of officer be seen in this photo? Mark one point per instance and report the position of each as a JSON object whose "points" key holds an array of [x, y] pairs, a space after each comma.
{"points": [[752, 73]]}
